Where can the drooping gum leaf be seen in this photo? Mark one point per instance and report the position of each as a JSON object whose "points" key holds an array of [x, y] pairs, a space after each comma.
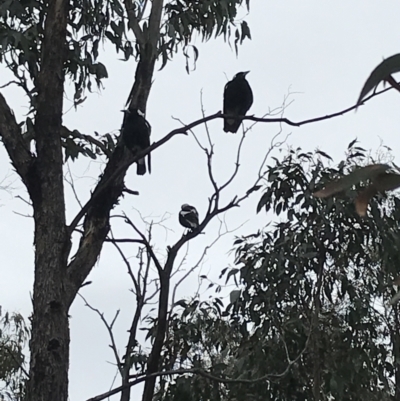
{"points": [[380, 73], [346, 182]]}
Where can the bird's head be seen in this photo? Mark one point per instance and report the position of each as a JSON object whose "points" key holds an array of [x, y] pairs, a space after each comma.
{"points": [[241, 75], [184, 206]]}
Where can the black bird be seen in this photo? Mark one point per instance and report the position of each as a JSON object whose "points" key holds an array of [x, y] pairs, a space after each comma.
{"points": [[136, 136], [238, 98], [189, 217]]}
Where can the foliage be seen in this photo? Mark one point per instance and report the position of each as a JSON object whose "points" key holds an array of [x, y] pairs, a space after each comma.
{"points": [[92, 22], [381, 73], [207, 18], [311, 321], [14, 335]]}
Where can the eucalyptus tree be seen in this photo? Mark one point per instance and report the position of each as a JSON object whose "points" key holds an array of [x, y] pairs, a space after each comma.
{"points": [[47, 45]]}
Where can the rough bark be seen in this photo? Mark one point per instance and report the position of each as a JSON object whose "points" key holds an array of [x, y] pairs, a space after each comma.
{"points": [[154, 358], [395, 334], [49, 346]]}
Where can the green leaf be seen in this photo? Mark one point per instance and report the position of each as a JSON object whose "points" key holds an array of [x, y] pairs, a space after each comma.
{"points": [[379, 74], [320, 152], [245, 32], [264, 199]]}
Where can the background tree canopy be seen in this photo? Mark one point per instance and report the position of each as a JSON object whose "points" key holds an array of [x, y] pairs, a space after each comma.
{"points": [[311, 321]]}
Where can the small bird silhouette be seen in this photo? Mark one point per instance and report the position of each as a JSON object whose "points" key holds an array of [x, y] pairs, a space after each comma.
{"points": [[189, 217]]}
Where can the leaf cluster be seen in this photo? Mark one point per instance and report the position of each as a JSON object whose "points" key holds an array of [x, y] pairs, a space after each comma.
{"points": [[208, 18], [318, 275], [22, 35], [14, 335]]}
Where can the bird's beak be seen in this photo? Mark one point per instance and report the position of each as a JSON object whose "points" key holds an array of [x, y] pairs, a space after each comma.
{"points": [[245, 73]]}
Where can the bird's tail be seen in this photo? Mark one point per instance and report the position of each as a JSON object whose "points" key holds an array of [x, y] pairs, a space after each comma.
{"points": [[141, 167], [149, 162], [232, 125]]}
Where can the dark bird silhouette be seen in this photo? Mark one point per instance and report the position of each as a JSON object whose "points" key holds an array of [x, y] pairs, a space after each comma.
{"points": [[238, 98], [136, 136], [189, 217]]}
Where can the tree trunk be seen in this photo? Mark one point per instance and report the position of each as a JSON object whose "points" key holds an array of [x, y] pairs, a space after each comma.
{"points": [[395, 334], [49, 345], [154, 358]]}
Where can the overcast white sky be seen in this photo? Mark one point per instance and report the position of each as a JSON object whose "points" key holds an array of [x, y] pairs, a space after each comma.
{"points": [[322, 50]]}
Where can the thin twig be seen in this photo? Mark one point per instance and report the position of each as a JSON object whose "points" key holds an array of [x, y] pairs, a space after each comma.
{"points": [[145, 241], [109, 329], [72, 185], [128, 265]]}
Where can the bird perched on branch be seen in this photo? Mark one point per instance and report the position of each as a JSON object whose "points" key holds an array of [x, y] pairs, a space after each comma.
{"points": [[238, 98], [136, 136], [189, 217]]}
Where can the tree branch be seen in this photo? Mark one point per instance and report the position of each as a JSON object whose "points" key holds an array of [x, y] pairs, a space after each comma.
{"points": [[20, 155], [134, 23], [154, 24], [185, 128]]}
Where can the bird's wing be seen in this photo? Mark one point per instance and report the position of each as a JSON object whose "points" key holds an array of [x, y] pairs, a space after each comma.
{"points": [[195, 212], [148, 126]]}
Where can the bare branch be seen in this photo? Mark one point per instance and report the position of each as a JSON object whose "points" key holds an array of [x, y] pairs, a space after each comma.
{"points": [[130, 191], [109, 327], [145, 242], [201, 258], [128, 265], [8, 84], [72, 185], [184, 130], [237, 164]]}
